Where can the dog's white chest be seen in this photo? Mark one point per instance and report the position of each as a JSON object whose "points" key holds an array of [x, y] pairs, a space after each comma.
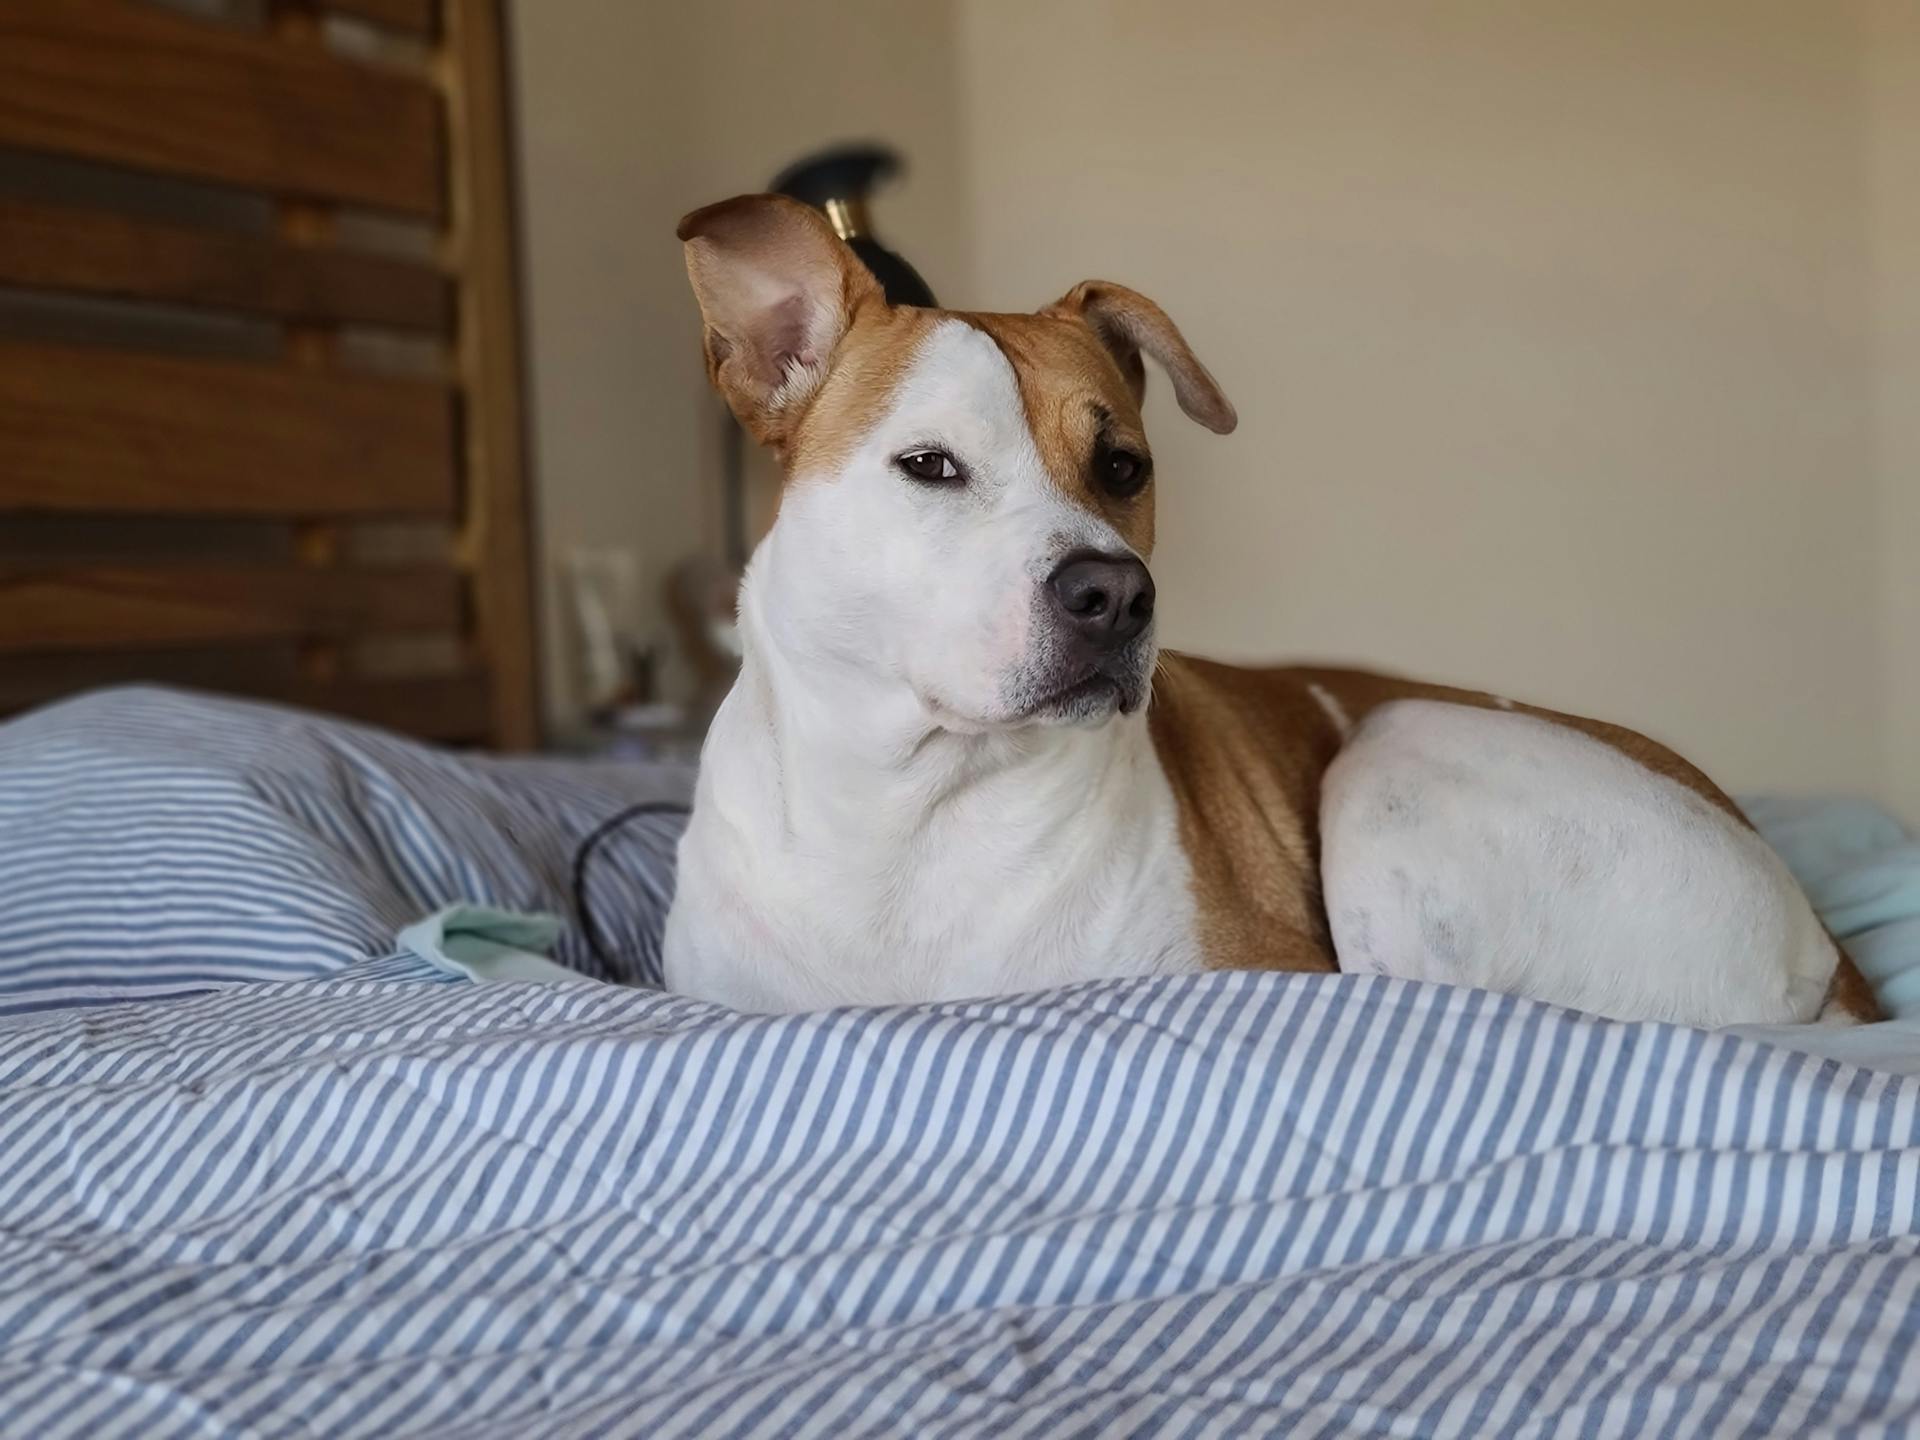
{"points": [[1012, 882]]}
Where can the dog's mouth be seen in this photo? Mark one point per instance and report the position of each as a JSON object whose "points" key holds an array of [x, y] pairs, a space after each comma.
{"points": [[1091, 697]]}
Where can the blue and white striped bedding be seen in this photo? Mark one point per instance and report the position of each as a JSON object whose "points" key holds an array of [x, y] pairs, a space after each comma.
{"points": [[381, 1202], [154, 843]]}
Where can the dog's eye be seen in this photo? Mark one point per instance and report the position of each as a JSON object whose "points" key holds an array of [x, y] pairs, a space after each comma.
{"points": [[930, 465], [1121, 473]]}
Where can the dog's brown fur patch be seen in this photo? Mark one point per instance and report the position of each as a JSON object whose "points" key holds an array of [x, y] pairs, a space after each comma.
{"points": [[1244, 751], [1074, 395], [869, 364]]}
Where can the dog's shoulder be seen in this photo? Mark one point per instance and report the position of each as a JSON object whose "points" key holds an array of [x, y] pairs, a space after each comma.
{"points": [[1243, 751]]}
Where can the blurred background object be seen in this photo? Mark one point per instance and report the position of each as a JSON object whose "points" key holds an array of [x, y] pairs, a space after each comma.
{"points": [[615, 666]]}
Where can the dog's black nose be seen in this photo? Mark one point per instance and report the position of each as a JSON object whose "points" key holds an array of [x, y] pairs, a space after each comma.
{"points": [[1107, 599]]}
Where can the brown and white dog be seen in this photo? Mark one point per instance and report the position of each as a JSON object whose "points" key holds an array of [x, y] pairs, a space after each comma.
{"points": [[956, 764]]}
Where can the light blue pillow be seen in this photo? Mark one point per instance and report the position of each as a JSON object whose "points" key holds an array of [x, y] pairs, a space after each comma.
{"points": [[1861, 869]]}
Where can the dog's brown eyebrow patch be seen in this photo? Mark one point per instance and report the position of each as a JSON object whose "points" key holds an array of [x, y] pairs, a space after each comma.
{"points": [[1075, 397], [869, 364]]}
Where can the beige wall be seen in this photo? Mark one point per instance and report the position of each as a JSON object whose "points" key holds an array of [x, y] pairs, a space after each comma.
{"points": [[1574, 340], [1547, 323], [631, 115], [1894, 74]]}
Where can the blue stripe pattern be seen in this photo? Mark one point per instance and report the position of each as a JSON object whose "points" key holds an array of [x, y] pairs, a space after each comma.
{"points": [[1231, 1205], [155, 844]]}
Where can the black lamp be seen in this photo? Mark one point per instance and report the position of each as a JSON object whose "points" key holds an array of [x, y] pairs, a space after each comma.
{"points": [[838, 182]]}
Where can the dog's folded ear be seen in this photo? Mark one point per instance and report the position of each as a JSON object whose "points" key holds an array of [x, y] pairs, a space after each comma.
{"points": [[1129, 324], [777, 291]]}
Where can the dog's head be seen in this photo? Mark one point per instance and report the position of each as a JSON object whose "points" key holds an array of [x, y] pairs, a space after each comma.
{"points": [[968, 505]]}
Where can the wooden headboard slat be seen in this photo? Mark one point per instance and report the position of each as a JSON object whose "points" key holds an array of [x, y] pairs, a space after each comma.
{"points": [[85, 431], [129, 84], [99, 253], [496, 540], [415, 17], [452, 708], [112, 608], [449, 707]]}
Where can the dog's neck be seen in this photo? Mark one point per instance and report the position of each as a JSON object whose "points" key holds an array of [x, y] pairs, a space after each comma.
{"points": [[856, 757]]}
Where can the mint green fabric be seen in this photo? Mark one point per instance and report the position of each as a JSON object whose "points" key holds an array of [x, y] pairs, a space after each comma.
{"points": [[479, 942], [1861, 869]]}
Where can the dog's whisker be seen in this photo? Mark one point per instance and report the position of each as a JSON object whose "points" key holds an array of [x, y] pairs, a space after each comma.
{"points": [[1153, 677]]}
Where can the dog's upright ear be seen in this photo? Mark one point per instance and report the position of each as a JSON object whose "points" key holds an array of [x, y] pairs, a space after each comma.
{"points": [[777, 290], [1129, 324]]}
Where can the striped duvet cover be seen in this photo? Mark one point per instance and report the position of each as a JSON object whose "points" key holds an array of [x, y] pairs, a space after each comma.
{"points": [[320, 1190]]}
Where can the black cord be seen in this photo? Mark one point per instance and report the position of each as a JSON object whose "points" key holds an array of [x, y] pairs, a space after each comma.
{"points": [[584, 853]]}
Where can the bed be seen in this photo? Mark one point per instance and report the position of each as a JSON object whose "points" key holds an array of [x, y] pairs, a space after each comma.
{"points": [[282, 1152], [320, 1115]]}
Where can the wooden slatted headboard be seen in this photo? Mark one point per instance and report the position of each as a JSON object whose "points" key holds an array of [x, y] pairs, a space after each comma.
{"points": [[260, 424]]}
